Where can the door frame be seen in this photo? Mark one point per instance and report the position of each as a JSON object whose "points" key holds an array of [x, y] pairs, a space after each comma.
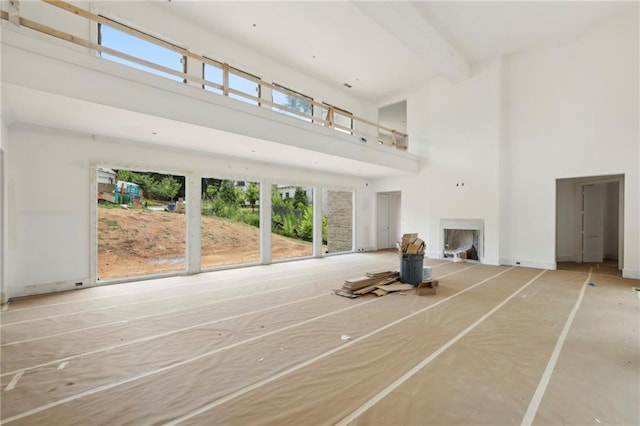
{"points": [[595, 180], [591, 212], [395, 203]]}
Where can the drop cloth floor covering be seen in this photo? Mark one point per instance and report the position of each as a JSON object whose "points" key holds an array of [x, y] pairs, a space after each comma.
{"points": [[273, 345]]}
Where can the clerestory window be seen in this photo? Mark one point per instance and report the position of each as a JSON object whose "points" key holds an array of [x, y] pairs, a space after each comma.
{"points": [[135, 46], [293, 101], [342, 119]]}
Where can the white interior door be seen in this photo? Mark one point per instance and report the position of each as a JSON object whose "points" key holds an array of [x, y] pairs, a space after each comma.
{"points": [[383, 221], [592, 223]]}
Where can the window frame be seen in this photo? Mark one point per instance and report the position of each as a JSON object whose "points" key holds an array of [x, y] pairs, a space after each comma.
{"points": [[242, 73], [183, 57], [342, 112], [286, 91]]}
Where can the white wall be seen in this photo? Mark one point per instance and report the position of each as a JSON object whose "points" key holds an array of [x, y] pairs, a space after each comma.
{"points": [[3, 210], [611, 213], [3, 195], [513, 128], [571, 110], [565, 220], [50, 234], [456, 128]]}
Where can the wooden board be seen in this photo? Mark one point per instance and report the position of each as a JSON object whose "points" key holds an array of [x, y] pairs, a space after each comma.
{"points": [[395, 287]]}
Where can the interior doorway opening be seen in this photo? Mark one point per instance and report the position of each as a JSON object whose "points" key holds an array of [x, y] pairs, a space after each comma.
{"points": [[590, 223], [388, 219]]}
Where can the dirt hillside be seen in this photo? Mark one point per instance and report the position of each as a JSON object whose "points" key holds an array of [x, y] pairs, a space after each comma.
{"points": [[140, 242]]}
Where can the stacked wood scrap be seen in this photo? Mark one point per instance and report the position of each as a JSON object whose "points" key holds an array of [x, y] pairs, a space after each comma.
{"points": [[379, 283], [411, 244], [427, 287]]}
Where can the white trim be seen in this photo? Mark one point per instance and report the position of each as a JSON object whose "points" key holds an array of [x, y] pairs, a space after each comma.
{"points": [[317, 221], [529, 264], [464, 224], [4, 291], [193, 218], [265, 221], [631, 273], [93, 224]]}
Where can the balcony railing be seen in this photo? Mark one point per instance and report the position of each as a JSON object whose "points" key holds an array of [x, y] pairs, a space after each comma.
{"points": [[324, 115]]}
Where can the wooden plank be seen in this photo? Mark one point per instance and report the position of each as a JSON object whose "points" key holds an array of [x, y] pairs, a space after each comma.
{"points": [[366, 290], [344, 293], [330, 112], [396, 287], [380, 292], [225, 79], [14, 12]]}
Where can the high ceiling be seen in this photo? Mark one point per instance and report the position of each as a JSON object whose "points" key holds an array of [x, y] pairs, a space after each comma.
{"points": [[382, 48]]}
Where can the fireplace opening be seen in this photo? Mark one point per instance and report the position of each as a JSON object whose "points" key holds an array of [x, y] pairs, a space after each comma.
{"points": [[461, 244], [462, 239]]}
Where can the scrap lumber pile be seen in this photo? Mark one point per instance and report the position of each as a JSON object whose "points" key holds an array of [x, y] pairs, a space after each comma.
{"points": [[411, 244], [379, 283]]}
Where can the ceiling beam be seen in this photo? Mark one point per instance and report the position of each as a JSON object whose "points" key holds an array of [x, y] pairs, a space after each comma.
{"points": [[404, 22]]}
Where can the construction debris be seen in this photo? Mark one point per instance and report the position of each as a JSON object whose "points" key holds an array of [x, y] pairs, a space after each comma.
{"points": [[411, 244], [395, 287], [427, 288], [378, 283]]}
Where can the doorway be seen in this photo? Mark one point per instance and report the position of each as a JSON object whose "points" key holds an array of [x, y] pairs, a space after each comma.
{"points": [[589, 223], [388, 219]]}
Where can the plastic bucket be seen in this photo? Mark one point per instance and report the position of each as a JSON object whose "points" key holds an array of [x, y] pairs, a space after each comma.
{"points": [[411, 268], [426, 273]]}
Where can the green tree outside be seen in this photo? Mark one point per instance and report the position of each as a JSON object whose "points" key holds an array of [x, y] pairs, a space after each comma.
{"points": [[252, 194], [169, 187]]}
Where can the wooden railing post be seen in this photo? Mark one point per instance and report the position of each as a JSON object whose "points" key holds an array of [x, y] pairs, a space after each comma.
{"points": [[14, 12], [225, 79], [330, 120]]}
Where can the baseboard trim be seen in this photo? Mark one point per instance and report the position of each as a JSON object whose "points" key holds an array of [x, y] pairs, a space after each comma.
{"points": [[528, 264], [631, 273]]}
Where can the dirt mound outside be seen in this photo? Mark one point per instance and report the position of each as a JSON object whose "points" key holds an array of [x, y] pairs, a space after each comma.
{"points": [[143, 242]]}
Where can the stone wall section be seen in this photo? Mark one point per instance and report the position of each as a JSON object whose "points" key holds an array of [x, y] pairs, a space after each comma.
{"points": [[339, 221]]}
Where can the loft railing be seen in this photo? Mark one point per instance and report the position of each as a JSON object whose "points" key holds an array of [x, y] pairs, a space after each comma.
{"points": [[325, 114]]}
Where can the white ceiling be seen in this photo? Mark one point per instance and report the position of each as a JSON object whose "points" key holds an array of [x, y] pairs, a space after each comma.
{"points": [[483, 30], [339, 42], [351, 43]]}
